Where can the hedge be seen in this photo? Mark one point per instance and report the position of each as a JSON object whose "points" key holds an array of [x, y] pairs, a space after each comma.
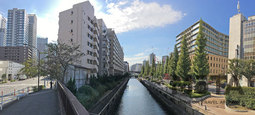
{"points": [[244, 96], [180, 83]]}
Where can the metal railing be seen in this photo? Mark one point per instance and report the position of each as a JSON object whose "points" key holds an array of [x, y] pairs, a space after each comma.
{"points": [[70, 103], [15, 95]]}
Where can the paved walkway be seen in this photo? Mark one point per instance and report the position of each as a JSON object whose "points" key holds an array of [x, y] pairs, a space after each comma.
{"points": [[41, 103]]}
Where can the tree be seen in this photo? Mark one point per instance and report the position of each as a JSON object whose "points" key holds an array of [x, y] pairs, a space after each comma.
{"points": [[173, 63], [30, 68], [248, 70], [153, 68], [61, 56], [147, 69], [183, 64], [235, 70], [200, 66], [142, 72], [166, 66]]}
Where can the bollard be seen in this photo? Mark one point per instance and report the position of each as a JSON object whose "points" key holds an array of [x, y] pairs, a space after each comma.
{"points": [[205, 107], [14, 92]]}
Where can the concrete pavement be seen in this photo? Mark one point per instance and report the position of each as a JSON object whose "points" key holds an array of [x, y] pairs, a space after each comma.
{"points": [[41, 103]]}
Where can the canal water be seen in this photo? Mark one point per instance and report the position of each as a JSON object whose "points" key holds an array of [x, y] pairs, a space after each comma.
{"points": [[137, 100]]}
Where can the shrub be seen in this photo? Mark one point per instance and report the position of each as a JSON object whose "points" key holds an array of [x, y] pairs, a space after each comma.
{"points": [[244, 96], [201, 87], [35, 89], [71, 86]]}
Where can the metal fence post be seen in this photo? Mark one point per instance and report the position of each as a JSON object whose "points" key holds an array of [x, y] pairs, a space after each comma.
{"points": [[2, 101]]}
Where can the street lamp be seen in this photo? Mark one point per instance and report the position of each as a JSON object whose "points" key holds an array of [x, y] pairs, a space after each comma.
{"points": [[38, 74]]}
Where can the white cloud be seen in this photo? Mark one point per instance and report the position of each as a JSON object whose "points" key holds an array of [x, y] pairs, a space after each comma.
{"points": [[139, 54], [124, 17]]}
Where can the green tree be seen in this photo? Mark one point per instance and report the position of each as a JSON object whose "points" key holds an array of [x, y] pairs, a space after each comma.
{"points": [[173, 63], [235, 70], [200, 66], [142, 72], [248, 70], [183, 64], [166, 66], [153, 68], [30, 68], [147, 69], [60, 57]]}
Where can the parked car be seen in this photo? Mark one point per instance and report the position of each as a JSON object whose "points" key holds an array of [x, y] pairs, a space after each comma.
{"points": [[22, 77]]}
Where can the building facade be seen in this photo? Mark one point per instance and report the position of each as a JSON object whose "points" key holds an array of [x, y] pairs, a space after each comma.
{"points": [[241, 42], [17, 54], [136, 67], [151, 58], [216, 47], [126, 67], [2, 30], [77, 26], [17, 29], [164, 58], [10, 69], [32, 33], [104, 49], [42, 46], [116, 54]]}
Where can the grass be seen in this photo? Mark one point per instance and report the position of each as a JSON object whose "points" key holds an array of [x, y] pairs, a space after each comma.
{"points": [[13, 80], [197, 95]]}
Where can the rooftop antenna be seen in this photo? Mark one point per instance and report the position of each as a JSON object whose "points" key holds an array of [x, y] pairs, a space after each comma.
{"points": [[238, 7]]}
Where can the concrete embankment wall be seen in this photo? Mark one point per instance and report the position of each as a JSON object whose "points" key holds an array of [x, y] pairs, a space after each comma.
{"points": [[170, 102], [109, 103]]}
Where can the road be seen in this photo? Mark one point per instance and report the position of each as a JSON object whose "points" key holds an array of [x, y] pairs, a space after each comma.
{"points": [[17, 85]]}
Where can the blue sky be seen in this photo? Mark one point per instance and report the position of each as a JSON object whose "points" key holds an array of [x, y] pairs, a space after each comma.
{"points": [[142, 26]]}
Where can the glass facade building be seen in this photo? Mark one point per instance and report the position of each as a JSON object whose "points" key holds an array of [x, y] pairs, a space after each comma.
{"points": [[249, 38]]}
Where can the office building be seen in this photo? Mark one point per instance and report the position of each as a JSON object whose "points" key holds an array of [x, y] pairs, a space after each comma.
{"points": [[10, 69], [144, 62], [17, 54], [216, 47], [42, 46], [241, 41], [32, 33], [2, 30], [126, 67], [116, 54], [104, 49], [136, 67], [78, 26], [17, 33], [151, 58]]}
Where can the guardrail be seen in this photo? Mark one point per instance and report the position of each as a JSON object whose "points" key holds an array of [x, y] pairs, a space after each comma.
{"points": [[70, 103], [16, 94]]}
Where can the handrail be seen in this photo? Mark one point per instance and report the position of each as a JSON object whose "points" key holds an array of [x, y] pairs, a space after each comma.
{"points": [[71, 104]]}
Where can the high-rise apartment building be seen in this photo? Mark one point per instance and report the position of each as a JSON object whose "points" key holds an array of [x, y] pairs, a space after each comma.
{"points": [[42, 46], [116, 54], [151, 58], [104, 49], [17, 34], [241, 41], [216, 46], [17, 54], [77, 26], [2, 30], [32, 33]]}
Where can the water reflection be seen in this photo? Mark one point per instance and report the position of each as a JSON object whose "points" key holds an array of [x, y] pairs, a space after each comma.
{"points": [[137, 100]]}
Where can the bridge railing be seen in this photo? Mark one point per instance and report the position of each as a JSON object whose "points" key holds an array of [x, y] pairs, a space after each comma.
{"points": [[70, 103], [16, 94]]}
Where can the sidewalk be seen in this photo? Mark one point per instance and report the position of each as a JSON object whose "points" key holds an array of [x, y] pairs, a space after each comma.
{"points": [[41, 103]]}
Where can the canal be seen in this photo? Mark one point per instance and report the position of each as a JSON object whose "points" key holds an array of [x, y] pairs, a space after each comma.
{"points": [[137, 100]]}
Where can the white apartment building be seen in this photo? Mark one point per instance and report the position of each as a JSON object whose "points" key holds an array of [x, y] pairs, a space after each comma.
{"points": [[2, 30], [136, 67], [104, 49], [116, 54], [126, 66], [10, 69], [77, 26]]}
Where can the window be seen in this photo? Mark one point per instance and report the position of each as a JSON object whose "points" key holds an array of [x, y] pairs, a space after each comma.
{"points": [[71, 30], [71, 12], [71, 21]]}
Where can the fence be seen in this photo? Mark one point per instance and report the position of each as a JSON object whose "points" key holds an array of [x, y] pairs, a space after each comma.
{"points": [[70, 103], [15, 95]]}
